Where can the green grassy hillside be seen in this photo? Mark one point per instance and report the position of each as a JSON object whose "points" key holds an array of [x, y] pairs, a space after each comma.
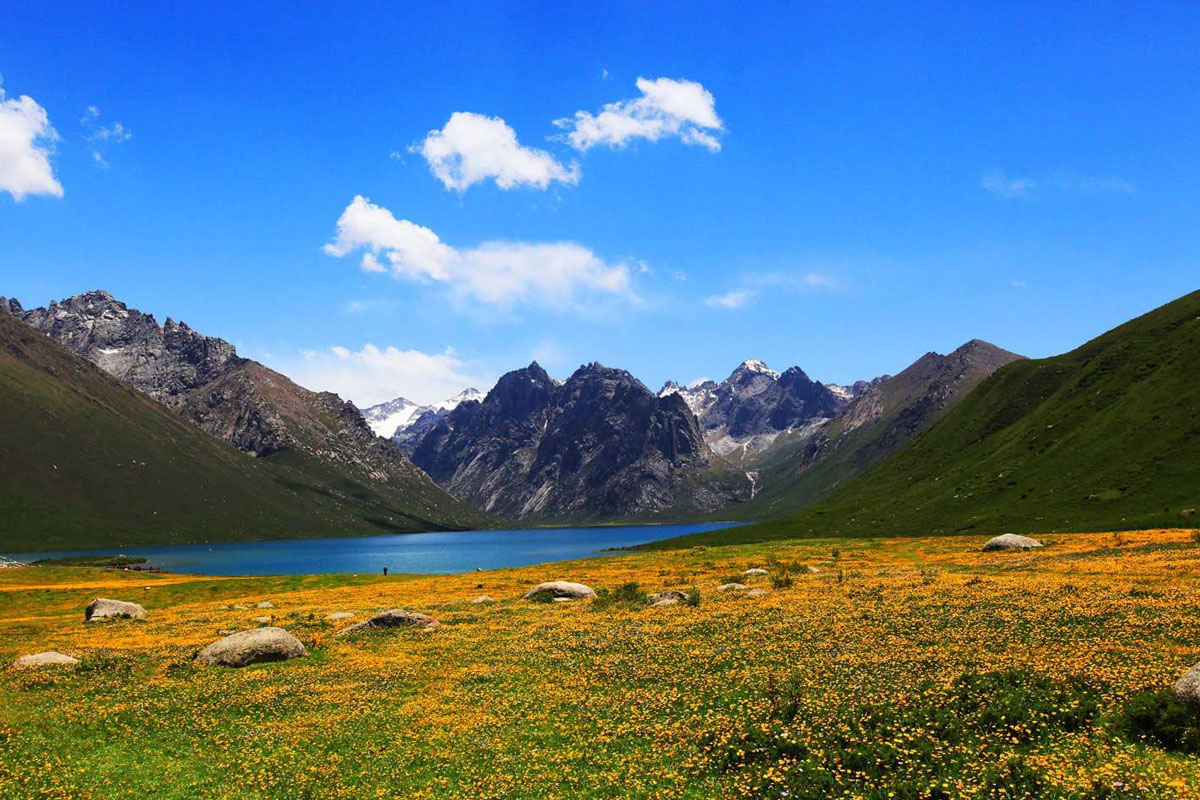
{"points": [[1105, 437], [797, 470], [86, 461]]}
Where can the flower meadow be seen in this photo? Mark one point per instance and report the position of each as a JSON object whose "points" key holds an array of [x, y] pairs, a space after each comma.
{"points": [[902, 668]]}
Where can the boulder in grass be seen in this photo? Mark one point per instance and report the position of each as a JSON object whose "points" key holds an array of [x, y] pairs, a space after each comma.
{"points": [[338, 616], [561, 589], [395, 618], [732, 587], [265, 604], [755, 571], [49, 658], [810, 571], [1187, 688], [756, 593], [671, 597], [483, 599], [104, 608], [1010, 541], [256, 646], [262, 620]]}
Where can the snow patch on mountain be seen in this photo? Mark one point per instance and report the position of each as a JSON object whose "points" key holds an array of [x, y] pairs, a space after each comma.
{"points": [[395, 416]]}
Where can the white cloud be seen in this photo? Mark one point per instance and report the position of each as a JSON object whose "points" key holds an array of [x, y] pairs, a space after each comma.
{"points": [[555, 275], [755, 285], [26, 144], [472, 148], [734, 299], [1064, 183], [667, 108], [100, 136], [377, 374], [1002, 186]]}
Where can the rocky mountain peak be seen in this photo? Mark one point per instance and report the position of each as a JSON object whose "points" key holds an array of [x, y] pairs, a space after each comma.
{"points": [[166, 362]]}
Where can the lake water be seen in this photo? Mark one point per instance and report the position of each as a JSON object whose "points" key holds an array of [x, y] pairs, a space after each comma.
{"points": [[404, 552]]}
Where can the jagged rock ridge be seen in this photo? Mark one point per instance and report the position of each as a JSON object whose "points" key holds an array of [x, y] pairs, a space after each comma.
{"points": [[599, 445]]}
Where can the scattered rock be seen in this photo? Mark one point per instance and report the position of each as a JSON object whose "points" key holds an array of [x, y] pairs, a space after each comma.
{"points": [[1187, 688], [337, 616], [810, 571], [755, 571], [262, 620], [563, 599], [1187, 512], [671, 597], [395, 618], [481, 600], [732, 587], [49, 658], [238, 607], [255, 646], [756, 593], [265, 604], [1010, 541], [561, 589], [103, 608]]}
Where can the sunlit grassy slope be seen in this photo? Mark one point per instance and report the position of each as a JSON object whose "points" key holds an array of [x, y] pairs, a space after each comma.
{"points": [[521, 699], [1105, 437]]}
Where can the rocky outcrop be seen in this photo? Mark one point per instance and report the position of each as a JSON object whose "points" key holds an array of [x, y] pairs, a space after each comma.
{"points": [[671, 597], [394, 618], [48, 658], [1187, 688], [600, 445], [257, 646], [104, 608], [1010, 541], [561, 589]]}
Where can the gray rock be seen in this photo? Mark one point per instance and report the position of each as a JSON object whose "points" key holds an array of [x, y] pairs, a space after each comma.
{"points": [[1010, 541], [561, 589], [756, 593], [810, 570], [337, 616], [1187, 688], [103, 608], [394, 618], [564, 599], [482, 600], [262, 620], [671, 597], [265, 604], [755, 571], [49, 658], [732, 587], [255, 646]]}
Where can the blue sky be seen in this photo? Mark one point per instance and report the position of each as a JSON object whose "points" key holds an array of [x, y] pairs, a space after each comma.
{"points": [[842, 186]]}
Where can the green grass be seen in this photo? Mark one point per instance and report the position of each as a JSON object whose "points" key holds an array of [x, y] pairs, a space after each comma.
{"points": [[1105, 437], [90, 561]]}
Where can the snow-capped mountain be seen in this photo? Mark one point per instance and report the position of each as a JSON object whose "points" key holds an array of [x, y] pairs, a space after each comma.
{"points": [[395, 416], [751, 407]]}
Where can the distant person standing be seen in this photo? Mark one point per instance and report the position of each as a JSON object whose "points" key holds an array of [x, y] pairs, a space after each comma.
{"points": [[385, 572]]}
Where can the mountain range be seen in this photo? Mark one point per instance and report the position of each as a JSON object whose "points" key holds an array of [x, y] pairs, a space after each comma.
{"points": [[598, 446], [1105, 437], [108, 400], [322, 440]]}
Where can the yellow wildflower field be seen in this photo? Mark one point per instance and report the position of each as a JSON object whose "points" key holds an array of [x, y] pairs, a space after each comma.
{"points": [[593, 699]]}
